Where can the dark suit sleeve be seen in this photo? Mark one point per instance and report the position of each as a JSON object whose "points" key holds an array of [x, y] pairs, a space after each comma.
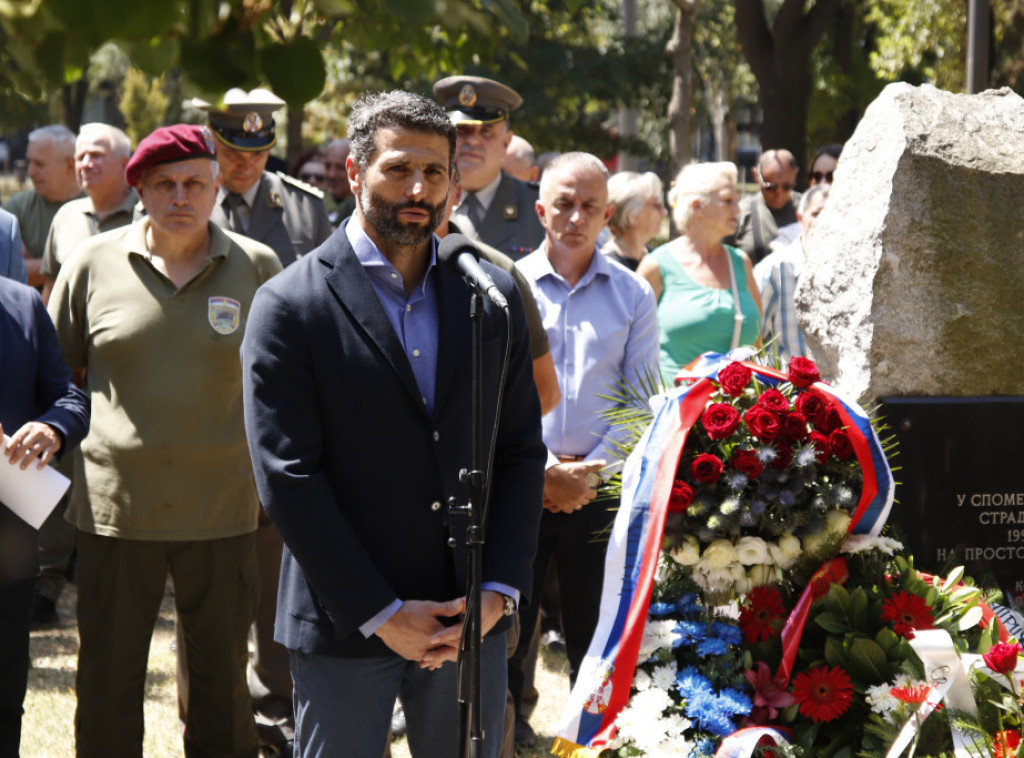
{"points": [[15, 261], [517, 485], [285, 428], [63, 406]]}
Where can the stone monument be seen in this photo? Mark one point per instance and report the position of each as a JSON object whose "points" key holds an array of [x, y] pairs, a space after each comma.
{"points": [[912, 294], [914, 280]]}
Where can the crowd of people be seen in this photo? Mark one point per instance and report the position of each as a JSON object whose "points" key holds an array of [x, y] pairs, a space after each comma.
{"points": [[300, 497]]}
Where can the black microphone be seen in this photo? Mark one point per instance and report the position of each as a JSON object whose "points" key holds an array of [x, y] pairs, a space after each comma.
{"points": [[462, 256]]}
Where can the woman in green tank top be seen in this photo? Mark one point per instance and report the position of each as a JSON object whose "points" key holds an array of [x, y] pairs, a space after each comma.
{"points": [[707, 297]]}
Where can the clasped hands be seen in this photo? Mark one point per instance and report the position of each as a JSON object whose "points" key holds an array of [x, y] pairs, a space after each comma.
{"points": [[565, 485], [35, 440], [416, 633]]}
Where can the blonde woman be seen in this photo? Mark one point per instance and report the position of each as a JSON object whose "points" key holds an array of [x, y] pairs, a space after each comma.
{"points": [[639, 211], [707, 297]]}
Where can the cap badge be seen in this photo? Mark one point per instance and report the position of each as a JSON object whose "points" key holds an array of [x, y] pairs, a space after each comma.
{"points": [[511, 213], [467, 96], [252, 122], [208, 140], [224, 314]]}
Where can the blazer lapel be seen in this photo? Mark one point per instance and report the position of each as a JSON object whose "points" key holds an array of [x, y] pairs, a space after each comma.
{"points": [[453, 325], [494, 220], [352, 286]]}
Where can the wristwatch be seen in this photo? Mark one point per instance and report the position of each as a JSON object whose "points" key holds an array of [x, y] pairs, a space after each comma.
{"points": [[510, 606], [593, 480]]}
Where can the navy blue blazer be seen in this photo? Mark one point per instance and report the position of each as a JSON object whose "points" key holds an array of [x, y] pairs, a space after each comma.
{"points": [[12, 262], [35, 385], [353, 471]]}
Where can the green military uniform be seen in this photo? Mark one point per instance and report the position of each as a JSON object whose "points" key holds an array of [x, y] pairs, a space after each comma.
{"points": [[509, 221], [287, 216], [35, 214], [75, 221], [167, 480]]}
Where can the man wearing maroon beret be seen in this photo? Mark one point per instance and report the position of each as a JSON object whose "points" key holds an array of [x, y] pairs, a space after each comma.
{"points": [[150, 319]]}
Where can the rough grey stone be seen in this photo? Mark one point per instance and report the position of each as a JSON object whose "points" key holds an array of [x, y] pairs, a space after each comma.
{"points": [[914, 284]]}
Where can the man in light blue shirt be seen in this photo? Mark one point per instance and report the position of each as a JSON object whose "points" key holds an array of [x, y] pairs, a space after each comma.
{"points": [[777, 276], [601, 321]]}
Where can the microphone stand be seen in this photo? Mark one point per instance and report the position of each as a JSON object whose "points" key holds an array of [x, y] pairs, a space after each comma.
{"points": [[468, 663]]}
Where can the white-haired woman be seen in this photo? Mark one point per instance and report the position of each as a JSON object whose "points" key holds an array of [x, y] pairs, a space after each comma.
{"points": [[707, 297], [639, 211]]}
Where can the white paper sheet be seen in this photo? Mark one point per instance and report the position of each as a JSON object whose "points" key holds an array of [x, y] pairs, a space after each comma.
{"points": [[32, 494]]}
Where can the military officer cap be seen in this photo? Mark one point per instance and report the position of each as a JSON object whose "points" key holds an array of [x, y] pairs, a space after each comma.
{"points": [[476, 100], [244, 120]]}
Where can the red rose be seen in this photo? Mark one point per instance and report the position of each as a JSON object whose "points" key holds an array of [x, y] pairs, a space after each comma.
{"points": [[707, 468], [681, 497], [783, 456], [1002, 658], [829, 420], [820, 442], [734, 378], [812, 404], [746, 462], [720, 420], [774, 401], [840, 445], [803, 372], [794, 427], [762, 423]]}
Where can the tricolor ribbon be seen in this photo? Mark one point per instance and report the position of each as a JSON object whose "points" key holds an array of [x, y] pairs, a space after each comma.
{"points": [[603, 684]]}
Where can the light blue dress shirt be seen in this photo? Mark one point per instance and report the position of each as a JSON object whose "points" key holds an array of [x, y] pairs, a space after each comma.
{"points": [[414, 319], [602, 330]]}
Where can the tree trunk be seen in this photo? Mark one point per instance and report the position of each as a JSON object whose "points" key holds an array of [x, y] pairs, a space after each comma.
{"points": [[72, 103], [780, 58], [679, 105], [295, 117]]}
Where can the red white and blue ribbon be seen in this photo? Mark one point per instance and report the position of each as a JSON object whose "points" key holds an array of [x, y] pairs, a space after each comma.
{"points": [[603, 684]]}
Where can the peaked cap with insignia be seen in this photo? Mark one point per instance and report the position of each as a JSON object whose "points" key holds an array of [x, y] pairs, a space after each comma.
{"points": [[476, 100], [244, 120]]}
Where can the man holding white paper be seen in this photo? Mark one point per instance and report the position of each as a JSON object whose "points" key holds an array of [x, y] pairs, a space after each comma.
{"points": [[44, 414]]}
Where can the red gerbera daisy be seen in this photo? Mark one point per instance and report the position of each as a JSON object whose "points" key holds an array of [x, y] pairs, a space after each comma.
{"points": [[824, 693], [912, 694], [1005, 745], [758, 615], [908, 612]]}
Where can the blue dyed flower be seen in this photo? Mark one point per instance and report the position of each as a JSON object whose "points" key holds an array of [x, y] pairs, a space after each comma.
{"points": [[712, 646], [661, 610], [688, 632], [708, 712], [688, 603], [692, 684], [730, 633], [735, 702]]}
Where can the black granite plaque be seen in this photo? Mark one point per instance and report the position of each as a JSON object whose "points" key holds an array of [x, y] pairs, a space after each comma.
{"points": [[960, 485]]}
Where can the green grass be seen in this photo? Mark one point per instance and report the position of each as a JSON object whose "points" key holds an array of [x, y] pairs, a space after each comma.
{"points": [[48, 726]]}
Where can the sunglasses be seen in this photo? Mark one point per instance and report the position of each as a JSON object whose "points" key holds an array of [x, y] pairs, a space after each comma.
{"points": [[774, 187], [311, 177], [817, 177]]}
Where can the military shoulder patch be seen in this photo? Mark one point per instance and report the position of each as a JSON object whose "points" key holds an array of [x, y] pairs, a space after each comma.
{"points": [[299, 184]]}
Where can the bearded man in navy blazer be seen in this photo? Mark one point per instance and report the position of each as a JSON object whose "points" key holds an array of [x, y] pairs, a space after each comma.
{"points": [[357, 371], [43, 413]]}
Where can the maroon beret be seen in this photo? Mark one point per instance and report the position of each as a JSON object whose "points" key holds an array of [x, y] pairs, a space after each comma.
{"points": [[169, 144]]}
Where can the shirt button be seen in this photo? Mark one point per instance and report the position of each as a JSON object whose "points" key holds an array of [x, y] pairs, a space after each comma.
{"points": [[437, 436], [424, 400], [394, 275], [408, 308], [435, 506], [416, 353]]}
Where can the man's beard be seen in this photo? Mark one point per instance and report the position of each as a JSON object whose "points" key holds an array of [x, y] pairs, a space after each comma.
{"points": [[384, 218]]}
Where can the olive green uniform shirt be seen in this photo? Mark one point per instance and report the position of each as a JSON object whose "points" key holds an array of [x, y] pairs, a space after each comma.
{"points": [[76, 221], [35, 214], [166, 456]]}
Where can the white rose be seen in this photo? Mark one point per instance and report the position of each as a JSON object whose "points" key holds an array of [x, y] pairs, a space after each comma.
{"points": [[816, 545], [837, 522], [752, 550], [759, 576], [687, 553], [785, 553], [718, 555]]}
